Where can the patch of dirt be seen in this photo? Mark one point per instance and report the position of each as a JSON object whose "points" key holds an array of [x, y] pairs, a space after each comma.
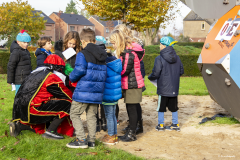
{"points": [[193, 142]]}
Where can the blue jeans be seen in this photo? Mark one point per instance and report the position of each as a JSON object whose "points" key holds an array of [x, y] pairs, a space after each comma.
{"points": [[174, 117], [17, 88], [111, 119]]}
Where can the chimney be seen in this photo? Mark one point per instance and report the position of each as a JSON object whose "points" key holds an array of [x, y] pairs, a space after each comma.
{"points": [[72, 12], [60, 11]]}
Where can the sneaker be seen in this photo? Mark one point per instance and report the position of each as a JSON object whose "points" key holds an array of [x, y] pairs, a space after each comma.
{"points": [[76, 143], [116, 139], [118, 123], [109, 140], [52, 135], [173, 127], [129, 136], [14, 128], [160, 127], [91, 145]]}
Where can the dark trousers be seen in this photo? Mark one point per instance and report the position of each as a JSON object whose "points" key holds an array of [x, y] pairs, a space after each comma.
{"points": [[133, 115]]}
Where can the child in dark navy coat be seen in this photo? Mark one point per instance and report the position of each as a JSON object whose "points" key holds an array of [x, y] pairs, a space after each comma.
{"points": [[45, 45], [167, 71]]}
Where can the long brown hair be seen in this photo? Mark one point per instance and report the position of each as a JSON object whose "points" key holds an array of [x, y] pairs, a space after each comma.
{"points": [[72, 35], [120, 40]]}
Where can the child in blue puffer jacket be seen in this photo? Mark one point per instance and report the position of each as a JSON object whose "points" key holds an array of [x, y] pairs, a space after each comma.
{"points": [[112, 94]]}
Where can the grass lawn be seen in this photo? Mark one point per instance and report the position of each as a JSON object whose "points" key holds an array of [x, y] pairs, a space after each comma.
{"points": [[32, 146], [188, 86]]}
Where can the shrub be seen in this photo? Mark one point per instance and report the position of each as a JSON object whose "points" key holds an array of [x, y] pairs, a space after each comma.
{"points": [[4, 58], [189, 64]]}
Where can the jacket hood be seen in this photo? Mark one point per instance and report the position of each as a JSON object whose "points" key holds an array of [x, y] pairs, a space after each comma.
{"points": [[38, 52], [115, 65], [99, 53], [138, 50], [58, 45], [169, 54], [15, 45]]}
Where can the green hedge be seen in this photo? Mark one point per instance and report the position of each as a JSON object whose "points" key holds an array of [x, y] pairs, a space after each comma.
{"points": [[4, 58], [180, 50], [189, 64], [194, 44]]}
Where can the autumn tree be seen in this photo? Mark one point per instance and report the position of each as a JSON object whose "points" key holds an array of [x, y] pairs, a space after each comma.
{"points": [[18, 15], [71, 7], [141, 15]]}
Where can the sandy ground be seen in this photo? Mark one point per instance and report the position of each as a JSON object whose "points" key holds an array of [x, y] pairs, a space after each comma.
{"points": [[200, 142]]}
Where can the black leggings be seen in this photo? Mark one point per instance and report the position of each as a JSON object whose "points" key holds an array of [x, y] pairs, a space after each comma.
{"points": [[55, 123], [132, 115], [139, 112], [117, 111]]}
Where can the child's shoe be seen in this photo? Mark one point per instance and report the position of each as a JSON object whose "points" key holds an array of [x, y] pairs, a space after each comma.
{"points": [[15, 128], [129, 136], [116, 139], [118, 123], [91, 145], [160, 127], [52, 135], [109, 140], [173, 127], [76, 143]]}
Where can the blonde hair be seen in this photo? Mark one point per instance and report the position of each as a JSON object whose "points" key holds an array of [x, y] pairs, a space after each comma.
{"points": [[120, 40], [69, 36], [127, 31]]}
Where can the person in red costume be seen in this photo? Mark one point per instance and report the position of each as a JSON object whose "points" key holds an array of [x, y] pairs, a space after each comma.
{"points": [[43, 101]]}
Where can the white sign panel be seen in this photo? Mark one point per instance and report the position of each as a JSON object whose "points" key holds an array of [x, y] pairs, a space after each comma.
{"points": [[68, 53], [228, 30]]}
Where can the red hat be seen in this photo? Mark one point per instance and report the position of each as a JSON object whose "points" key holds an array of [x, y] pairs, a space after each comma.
{"points": [[55, 60]]}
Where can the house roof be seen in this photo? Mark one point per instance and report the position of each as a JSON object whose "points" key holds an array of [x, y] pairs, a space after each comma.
{"points": [[74, 19], [192, 16], [49, 20], [104, 23]]}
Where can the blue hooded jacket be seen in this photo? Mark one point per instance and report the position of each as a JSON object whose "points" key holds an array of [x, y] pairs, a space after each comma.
{"points": [[113, 90], [167, 70], [90, 73]]}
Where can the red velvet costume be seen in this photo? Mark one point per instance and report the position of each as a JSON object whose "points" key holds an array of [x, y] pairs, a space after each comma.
{"points": [[42, 97]]}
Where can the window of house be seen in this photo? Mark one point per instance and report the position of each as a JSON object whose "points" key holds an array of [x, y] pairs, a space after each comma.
{"points": [[203, 26], [72, 28], [107, 30]]}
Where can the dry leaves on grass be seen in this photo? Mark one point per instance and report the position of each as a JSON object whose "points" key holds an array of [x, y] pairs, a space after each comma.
{"points": [[6, 134], [3, 148], [107, 152], [21, 158], [0, 109], [2, 98], [139, 149]]}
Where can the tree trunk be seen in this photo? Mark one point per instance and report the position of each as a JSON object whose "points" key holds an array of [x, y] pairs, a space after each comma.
{"points": [[149, 36]]}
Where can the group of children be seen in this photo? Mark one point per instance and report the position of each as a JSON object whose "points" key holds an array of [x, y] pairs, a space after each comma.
{"points": [[104, 78]]}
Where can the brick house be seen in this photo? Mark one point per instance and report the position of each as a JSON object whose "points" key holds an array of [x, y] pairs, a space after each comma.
{"points": [[69, 22], [49, 26], [195, 27], [103, 28]]}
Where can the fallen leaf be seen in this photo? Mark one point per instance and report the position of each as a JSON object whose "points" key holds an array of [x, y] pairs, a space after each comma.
{"points": [[3, 148], [125, 145], [2, 103], [4, 91], [6, 133], [8, 122], [2, 136], [16, 143], [93, 153], [138, 149], [2, 98], [0, 109], [21, 158]]}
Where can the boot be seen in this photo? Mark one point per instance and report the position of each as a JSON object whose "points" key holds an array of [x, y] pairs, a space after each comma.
{"points": [[139, 127], [129, 136], [126, 128]]}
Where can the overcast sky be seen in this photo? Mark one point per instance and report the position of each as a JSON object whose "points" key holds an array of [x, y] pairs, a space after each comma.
{"points": [[49, 6]]}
